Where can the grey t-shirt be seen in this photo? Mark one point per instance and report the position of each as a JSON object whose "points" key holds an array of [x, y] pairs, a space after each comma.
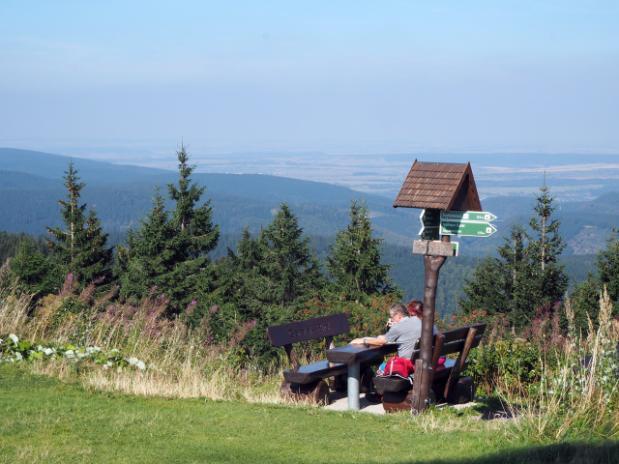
{"points": [[405, 333]]}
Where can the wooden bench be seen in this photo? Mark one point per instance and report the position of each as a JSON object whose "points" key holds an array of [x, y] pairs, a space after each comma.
{"points": [[307, 382], [447, 386]]}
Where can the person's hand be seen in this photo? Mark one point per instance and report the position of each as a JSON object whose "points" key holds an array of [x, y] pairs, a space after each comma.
{"points": [[358, 341]]}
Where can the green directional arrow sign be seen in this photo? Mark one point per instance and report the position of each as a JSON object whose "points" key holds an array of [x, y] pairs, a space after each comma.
{"points": [[463, 216], [467, 229]]}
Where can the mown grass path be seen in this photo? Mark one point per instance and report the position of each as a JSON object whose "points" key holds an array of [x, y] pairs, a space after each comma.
{"points": [[44, 420]]}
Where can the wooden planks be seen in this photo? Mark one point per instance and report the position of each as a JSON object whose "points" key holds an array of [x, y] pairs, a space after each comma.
{"points": [[444, 186]]}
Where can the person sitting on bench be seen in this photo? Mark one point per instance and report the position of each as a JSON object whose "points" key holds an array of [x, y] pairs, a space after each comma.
{"points": [[404, 330]]}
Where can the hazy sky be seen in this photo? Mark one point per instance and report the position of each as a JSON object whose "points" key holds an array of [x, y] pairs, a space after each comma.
{"points": [[334, 76]]}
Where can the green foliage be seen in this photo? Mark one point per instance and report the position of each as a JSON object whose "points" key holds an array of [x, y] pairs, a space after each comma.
{"points": [[13, 350], [354, 261], [35, 272], [266, 280], [80, 247], [169, 255], [509, 363], [526, 276], [288, 263], [585, 301], [608, 267], [585, 296]]}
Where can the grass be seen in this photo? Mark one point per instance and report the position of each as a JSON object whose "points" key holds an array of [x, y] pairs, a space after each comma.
{"points": [[45, 420]]}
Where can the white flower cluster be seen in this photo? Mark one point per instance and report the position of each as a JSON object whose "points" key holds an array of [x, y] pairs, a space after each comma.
{"points": [[11, 351], [136, 362]]}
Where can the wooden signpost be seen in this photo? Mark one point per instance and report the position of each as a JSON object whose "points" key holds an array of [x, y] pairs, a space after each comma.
{"points": [[448, 196]]}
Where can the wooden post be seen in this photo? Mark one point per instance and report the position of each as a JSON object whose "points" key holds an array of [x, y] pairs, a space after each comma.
{"points": [[423, 382]]}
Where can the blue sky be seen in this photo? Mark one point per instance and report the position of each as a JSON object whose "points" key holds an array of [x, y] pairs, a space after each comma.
{"points": [[332, 76]]}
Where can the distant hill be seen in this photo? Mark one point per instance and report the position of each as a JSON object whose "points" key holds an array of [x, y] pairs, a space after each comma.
{"points": [[31, 184]]}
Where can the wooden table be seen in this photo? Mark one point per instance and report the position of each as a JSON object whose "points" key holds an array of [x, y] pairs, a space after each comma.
{"points": [[353, 356]]}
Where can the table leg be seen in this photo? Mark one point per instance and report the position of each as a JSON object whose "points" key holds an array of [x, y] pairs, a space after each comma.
{"points": [[354, 373]]}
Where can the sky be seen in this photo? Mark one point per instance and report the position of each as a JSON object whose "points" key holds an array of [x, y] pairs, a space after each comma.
{"points": [[303, 76]]}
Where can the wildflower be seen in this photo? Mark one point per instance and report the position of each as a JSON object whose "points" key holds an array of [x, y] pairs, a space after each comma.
{"points": [[14, 338], [18, 356], [48, 351], [140, 365], [69, 354]]}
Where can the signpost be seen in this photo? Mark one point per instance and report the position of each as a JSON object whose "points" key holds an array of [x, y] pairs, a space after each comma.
{"points": [[447, 194]]}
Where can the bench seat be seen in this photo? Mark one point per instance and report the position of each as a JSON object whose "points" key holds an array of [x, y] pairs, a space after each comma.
{"points": [[398, 384], [309, 373]]}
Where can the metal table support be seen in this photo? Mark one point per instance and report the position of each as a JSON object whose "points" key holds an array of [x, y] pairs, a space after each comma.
{"points": [[354, 374]]}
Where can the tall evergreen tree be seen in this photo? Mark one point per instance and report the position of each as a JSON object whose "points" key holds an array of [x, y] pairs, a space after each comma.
{"points": [[80, 247], [545, 248], [527, 274], [147, 257], [354, 260], [292, 269], [171, 251]]}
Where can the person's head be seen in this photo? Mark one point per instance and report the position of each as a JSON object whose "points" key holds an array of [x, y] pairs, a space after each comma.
{"points": [[415, 308], [397, 312]]}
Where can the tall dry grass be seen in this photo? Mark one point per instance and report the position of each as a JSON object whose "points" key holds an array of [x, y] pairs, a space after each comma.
{"points": [[183, 361], [577, 396]]}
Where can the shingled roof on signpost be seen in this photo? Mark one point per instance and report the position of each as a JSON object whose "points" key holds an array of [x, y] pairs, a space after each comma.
{"points": [[444, 186]]}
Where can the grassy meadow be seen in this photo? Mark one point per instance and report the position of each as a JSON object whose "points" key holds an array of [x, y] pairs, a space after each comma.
{"points": [[44, 420]]}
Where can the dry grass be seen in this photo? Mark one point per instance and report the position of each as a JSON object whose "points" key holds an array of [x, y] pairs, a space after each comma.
{"points": [[184, 364], [578, 394]]}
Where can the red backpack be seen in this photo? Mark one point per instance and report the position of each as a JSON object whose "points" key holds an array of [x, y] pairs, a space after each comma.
{"points": [[398, 366]]}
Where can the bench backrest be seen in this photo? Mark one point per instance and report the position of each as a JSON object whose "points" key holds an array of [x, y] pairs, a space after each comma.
{"points": [[311, 329], [454, 340]]}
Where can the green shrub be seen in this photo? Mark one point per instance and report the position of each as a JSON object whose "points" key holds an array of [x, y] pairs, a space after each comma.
{"points": [[510, 362]]}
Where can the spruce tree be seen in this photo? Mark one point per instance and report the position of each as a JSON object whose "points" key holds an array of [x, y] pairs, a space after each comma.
{"points": [[527, 275], [354, 260], [545, 248], [608, 268], [80, 247], [169, 253], [35, 272], [291, 268], [147, 257]]}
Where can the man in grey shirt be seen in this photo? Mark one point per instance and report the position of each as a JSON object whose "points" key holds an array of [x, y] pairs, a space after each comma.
{"points": [[404, 330]]}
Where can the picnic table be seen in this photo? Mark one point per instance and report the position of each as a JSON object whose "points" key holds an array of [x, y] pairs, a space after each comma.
{"points": [[353, 356]]}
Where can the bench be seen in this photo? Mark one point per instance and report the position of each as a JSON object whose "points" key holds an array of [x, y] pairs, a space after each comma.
{"points": [[447, 385], [307, 382]]}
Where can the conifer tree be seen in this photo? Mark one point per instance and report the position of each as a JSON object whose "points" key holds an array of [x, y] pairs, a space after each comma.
{"points": [[147, 257], [608, 268], [80, 247], [354, 261], [545, 248], [527, 275], [171, 251], [292, 269], [34, 270]]}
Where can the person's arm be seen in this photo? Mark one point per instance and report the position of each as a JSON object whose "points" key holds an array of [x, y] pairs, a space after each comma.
{"points": [[371, 341]]}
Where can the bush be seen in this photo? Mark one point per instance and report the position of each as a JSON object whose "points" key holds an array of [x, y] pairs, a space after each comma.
{"points": [[511, 362]]}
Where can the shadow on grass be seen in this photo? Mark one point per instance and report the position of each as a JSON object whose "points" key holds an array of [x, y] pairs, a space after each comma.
{"points": [[492, 408], [573, 453]]}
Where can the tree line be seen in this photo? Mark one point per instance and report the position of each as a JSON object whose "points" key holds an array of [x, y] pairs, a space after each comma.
{"points": [[268, 277], [527, 280], [275, 275]]}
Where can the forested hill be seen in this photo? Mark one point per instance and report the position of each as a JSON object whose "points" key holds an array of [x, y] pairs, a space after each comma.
{"points": [[31, 184]]}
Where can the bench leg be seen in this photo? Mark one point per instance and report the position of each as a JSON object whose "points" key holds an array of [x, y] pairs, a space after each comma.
{"points": [[354, 374]]}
